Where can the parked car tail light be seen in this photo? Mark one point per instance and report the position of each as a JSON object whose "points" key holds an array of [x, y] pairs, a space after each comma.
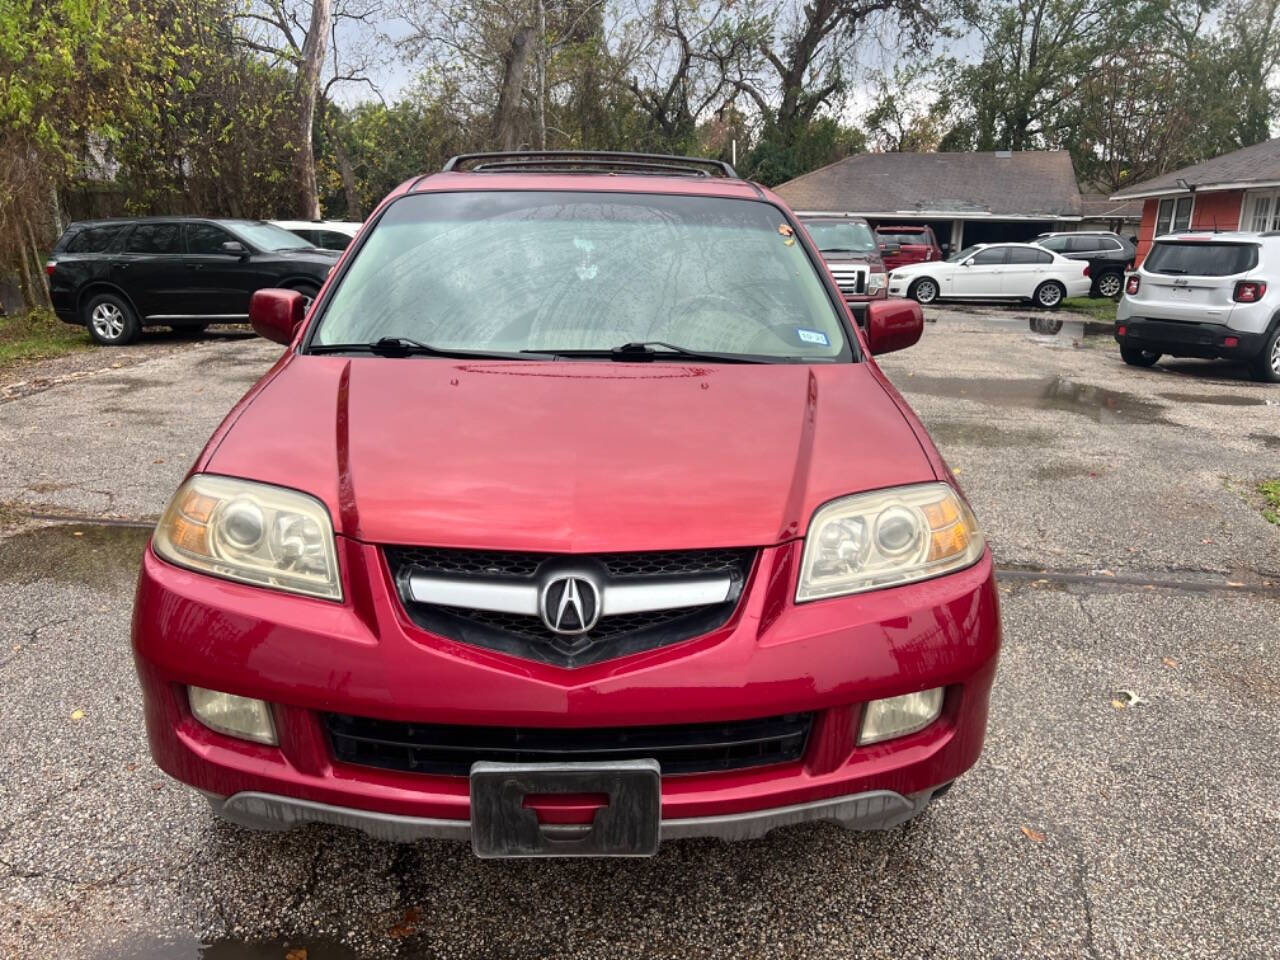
{"points": [[1249, 291], [1132, 284], [49, 267], [1086, 270]]}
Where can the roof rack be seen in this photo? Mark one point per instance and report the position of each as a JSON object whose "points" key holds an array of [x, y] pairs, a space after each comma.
{"points": [[589, 161]]}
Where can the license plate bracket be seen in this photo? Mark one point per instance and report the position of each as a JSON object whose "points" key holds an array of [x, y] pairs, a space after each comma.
{"points": [[629, 825]]}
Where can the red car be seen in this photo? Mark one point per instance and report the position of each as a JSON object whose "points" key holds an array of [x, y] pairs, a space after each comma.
{"points": [[915, 245], [575, 516]]}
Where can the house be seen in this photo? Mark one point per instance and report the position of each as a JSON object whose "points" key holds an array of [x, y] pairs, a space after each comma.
{"points": [[966, 197], [1236, 191], [1099, 212]]}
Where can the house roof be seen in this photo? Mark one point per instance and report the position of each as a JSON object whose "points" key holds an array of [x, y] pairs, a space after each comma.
{"points": [[1099, 206], [1039, 185], [1252, 166]]}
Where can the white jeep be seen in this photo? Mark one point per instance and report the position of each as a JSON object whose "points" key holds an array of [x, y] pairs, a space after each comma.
{"points": [[1205, 295]]}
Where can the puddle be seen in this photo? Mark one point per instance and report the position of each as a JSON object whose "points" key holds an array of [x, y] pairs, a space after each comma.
{"points": [[1050, 393], [973, 433], [1047, 329], [191, 949], [100, 556], [1223, 399]]}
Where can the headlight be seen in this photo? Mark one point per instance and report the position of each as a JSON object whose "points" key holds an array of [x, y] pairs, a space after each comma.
{"points": [[887, 538], [253, 532], [876, 280]]}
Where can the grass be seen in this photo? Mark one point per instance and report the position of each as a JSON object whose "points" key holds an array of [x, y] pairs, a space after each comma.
{"points": [[1270, 490], [36, 336], [1101, 310]]}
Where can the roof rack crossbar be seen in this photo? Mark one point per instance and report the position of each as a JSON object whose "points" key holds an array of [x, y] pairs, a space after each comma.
{"points": [[571, 160]]}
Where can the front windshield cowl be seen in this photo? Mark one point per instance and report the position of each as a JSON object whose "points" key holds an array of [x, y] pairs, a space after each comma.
{"points": [[581, 273]]}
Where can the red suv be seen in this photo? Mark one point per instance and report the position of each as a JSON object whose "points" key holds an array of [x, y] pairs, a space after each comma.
{"points": [[575, 516], [915, 245]]}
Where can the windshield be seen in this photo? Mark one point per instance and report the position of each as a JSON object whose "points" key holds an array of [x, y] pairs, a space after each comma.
{"points": [[550, 271], [905, 238], [1201, 259], [267, 236], [964, 254], [850, 236]]}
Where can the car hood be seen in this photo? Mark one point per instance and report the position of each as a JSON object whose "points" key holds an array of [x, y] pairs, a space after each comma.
{"points": [[923, 266], [570, 456]]}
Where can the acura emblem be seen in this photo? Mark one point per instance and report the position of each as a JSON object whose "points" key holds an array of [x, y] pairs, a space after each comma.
{"points": [[570, 604]]}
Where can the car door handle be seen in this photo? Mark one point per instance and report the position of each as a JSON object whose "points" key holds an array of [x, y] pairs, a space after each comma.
{"points": [[121, 264]]}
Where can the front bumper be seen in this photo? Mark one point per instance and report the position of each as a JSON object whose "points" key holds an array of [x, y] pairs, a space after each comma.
{"points": [[366, 658], [873, 810], [1181, 338]]}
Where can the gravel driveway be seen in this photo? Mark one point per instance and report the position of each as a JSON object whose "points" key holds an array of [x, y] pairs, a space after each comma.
{"points": [[1125, 805]]}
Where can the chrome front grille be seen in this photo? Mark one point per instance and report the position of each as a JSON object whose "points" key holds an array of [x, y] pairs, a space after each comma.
{"points": [[627, 602], [851, 278]]}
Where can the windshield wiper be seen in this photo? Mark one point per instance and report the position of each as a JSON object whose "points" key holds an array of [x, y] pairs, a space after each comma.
{"points": [[408, 347], [643, 350]]}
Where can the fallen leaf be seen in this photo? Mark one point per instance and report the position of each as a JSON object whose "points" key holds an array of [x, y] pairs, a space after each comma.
{"points": [[77, 714], [1169, 662], [78, 533], [298, 953], [406, 925], [1118, 704], [158, 460], [1032, 834]]}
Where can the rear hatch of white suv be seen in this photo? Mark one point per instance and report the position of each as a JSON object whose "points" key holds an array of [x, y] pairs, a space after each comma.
{"points": [[1192, 279]]}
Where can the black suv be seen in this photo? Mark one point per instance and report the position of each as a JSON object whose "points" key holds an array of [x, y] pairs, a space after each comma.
{"points": [[1109, 256], [117, 276]]}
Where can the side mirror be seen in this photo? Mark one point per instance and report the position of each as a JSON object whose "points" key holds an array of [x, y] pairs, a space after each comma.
{"points": [[235, 248], [276, 314], [967, 263], [893, 325]]}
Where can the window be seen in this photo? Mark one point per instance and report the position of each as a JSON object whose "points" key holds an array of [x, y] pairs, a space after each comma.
{"points": [[905, 238], [561, 270], [95, 239], [266, 236], [1083, 244], [330, 240], [155, 238], [1201, 258], [990, 256], [1108, 243], [851, 236], [205, 238], [1261, 211], [1056, 244], [1027, 255], [1174, 215]]}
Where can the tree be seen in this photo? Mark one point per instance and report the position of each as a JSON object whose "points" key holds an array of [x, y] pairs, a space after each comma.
{"points": [[297, 33]]}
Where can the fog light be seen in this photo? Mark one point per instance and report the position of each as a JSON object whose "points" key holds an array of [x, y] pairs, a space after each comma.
{"points": [[899, 716], [1230, 342], [241, 717]]}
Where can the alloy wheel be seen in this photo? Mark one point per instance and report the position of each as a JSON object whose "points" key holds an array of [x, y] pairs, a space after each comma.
{"points": [[1049, 295], [108, 321], [1275, 356], [1109, 284], [926, 292]]}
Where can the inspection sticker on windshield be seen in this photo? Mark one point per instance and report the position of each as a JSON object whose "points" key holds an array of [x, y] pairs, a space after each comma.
{"points": [[812, 336]]}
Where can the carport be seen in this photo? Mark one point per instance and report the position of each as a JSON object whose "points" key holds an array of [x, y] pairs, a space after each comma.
{"points": [[966, 198]]}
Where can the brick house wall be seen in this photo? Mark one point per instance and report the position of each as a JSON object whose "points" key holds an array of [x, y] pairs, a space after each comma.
{"points": [[1213, 210]]}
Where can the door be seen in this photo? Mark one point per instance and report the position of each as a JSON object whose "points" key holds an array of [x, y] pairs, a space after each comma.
{"points": [[149, 267], [221, 282], [1024, 270], [982, 275]]}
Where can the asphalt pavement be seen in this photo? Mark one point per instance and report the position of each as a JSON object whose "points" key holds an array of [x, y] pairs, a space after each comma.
{"points": [[1125, 804]]}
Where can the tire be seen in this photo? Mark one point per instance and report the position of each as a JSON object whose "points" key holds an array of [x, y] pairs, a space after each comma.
{"points": [[1110, 285], [307, 290], [1138, 358], [110, 320], [924, 290], [1266, 366], [1049, 295]]}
